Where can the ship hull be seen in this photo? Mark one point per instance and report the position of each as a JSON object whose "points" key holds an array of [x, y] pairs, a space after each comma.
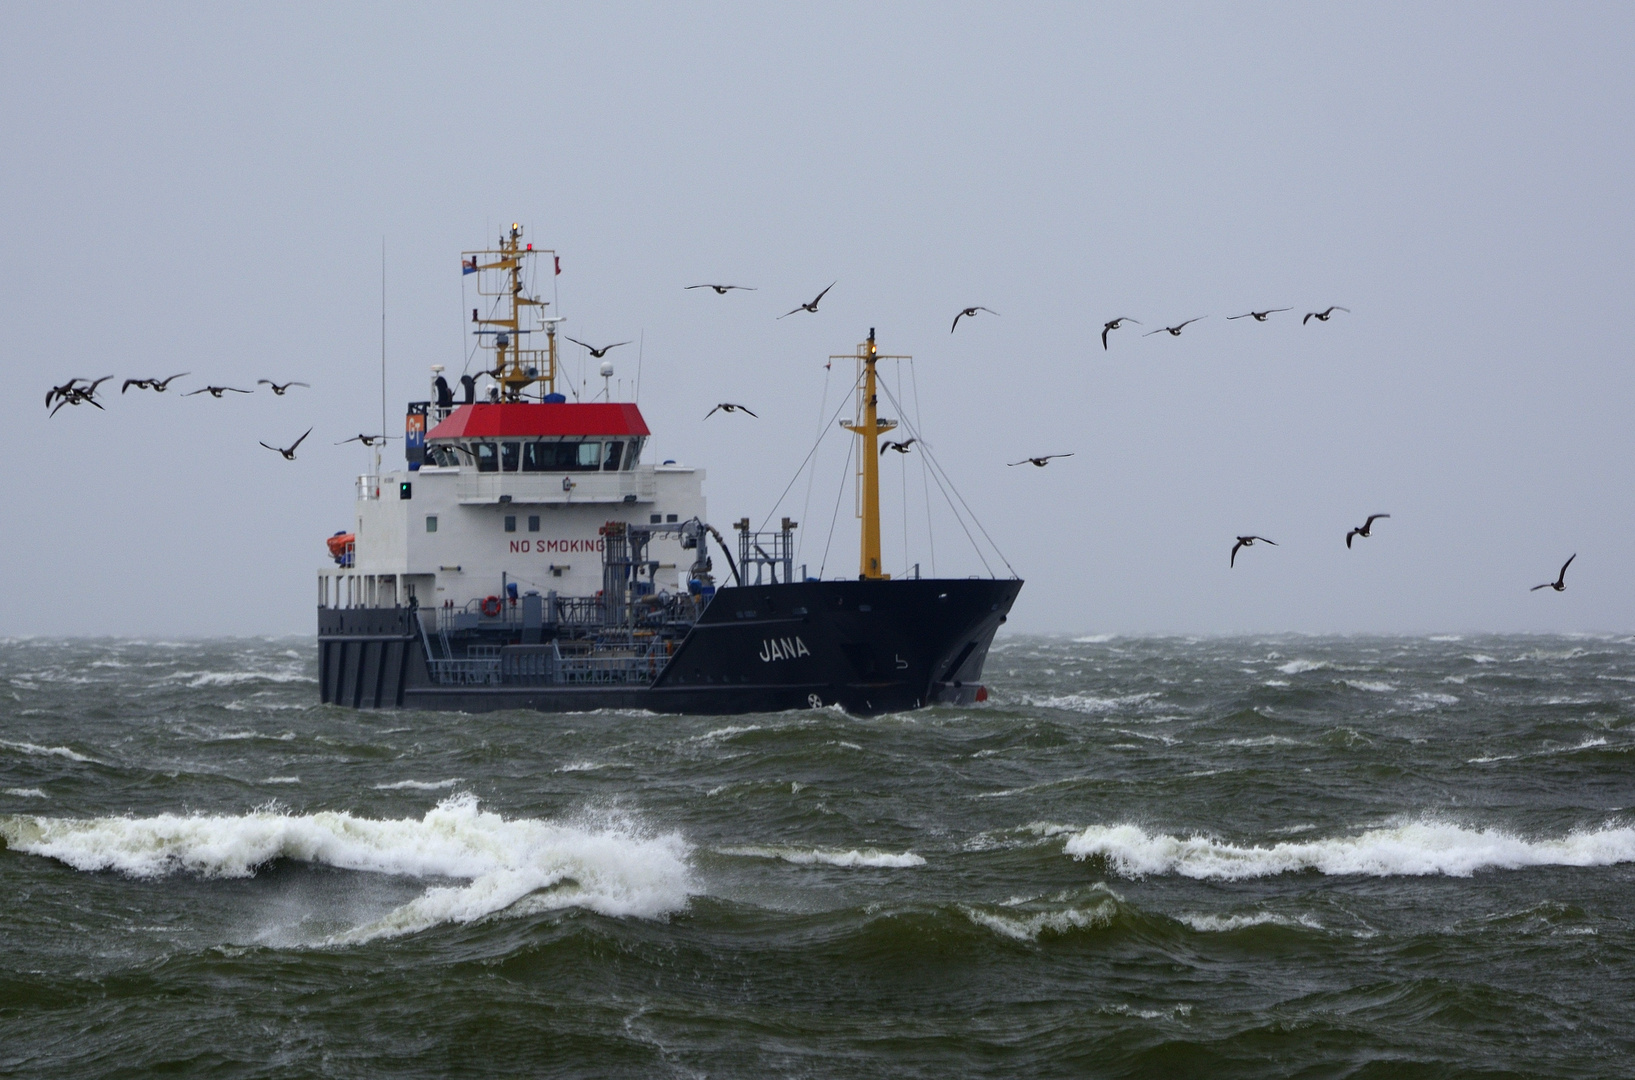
{"points": [[866, 646]]}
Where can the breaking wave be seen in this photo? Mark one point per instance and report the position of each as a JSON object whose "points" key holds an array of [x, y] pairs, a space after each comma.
{"points": [[865, 857], [1411, 850], [612, 866]]}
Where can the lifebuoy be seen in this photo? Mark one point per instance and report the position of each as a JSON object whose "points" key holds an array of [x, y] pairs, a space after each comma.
{"points": [[492, 606]]}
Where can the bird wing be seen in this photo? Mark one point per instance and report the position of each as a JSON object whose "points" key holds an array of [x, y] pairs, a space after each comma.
{"points": [[1536, 588], [1189, 322], [143, 383], [272, 448], [196, 393], [1229, 318], [298, 441], [268, 382], [1024, 461], [1104, 337], [698, 287], [1233, 561], [1561, 577], [354, 438], [576, 341], [746, 409], [1307, 319], [1373, 518], [791, 311], [886, 447], [1337, 307], [172, 379], [1275, 310], [712, 412], [957, 318], [1150, 333], [1349, 535], [824, 293], [989, 310], [307, 385], [1263, 540], [616, 344], [236, 390], [92, 388]]}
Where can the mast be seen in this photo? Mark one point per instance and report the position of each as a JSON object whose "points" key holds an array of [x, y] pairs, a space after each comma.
{"points": [[869, 426], [500, 275]]}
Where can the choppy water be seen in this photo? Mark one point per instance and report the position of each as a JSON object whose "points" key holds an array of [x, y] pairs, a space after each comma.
{"points": [[1226, 857]]}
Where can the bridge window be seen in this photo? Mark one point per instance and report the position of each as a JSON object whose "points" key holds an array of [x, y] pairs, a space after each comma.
{"points": [[611, 462], [510, 523], [590, 455], [533, 522], [510, 455], [488, 457], [431, 522]]}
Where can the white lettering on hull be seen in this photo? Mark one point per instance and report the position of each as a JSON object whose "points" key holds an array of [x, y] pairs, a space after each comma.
{"points": [[783, 649]]}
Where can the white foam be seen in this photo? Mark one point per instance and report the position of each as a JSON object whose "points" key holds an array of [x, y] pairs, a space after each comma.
{"points": [[1482, 658], [1089, 703], [34, 750], [1094, 639], [581, 766], [725, 732], [1222, 924], [1446, 637], [1295, 667], [1029, 927], [234, 678], [26, 792], [865, 857], [418, 785], [282, 780], [1276, 682], [1415, 849], [611, 866], [1371, 687]]}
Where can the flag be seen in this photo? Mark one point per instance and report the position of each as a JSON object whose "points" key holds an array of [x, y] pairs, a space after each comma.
{"points": [[468, 266], [558, 259]]}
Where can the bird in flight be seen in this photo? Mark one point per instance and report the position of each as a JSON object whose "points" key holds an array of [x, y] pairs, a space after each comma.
{"points": [[721, 290], [900, 447], [1560, 583], [727, 407], [1173, 331], [1259, 316], [1114, 325], [279, 390], [289, 455], [70, 393], [968, 313], [1246, 541], [1362, 530], [1039, 461], [1322, 316], [369, 440], [595, 353], [217, 391], [151, 384], [812, 307]]}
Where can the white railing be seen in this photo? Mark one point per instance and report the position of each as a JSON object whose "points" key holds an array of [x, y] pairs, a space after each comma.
{"points": [[636, 485]]}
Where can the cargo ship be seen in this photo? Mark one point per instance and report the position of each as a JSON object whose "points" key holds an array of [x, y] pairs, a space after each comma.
{"points": [[527, 556]]}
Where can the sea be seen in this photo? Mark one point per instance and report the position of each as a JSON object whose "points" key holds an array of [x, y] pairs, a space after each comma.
{"points": [[1215, 857]]}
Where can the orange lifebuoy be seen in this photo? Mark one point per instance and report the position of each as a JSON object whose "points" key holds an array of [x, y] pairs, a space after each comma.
{"points": [[492, 606]]}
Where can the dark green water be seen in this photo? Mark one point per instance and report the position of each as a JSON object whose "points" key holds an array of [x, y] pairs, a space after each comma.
{"points": [[1162, 857]]}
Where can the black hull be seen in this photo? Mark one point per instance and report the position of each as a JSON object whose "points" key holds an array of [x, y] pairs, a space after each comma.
{"points": [[867, 646]]}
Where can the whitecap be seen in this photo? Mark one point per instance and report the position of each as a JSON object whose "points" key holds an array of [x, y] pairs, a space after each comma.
{"points": [[1371, 687], [855, 858], [611, 866], [1030, 926], [725, 732], [1223, 924], [580, 766], [418, 785], [282, 780], [1094, 639], [35, 750], [1295, 667], [1089, 703], [1446, 637], [1416, 849], [1276, 682], [26, 792]]}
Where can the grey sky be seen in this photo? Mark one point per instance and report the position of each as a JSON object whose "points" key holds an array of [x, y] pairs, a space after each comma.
{"points": [[207, 189]]}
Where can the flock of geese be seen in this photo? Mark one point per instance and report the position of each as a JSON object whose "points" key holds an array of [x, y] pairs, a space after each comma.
{"points": [[78, 391]]}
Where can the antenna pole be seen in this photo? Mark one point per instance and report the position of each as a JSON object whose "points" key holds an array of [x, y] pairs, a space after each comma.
{"points": [[869, 428], [382, 340]]}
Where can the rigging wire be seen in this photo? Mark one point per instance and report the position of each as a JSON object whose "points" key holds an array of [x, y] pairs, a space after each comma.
{"points": [[804, 460], [806, 507], [930, 534], [838, 493], [937, 465], [903, 462]]}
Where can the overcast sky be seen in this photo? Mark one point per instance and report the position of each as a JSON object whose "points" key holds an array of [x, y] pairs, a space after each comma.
{"points": [[207, 189]]}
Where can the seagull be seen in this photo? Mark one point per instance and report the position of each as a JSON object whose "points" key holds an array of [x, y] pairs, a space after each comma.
{"points": [[900, 447], [970, 313], [1322, 316], [217, 391], [1362, 530], [1243, 542], [1259, 316], [726, 407], [812, 307], [69, 394], [62, 391], [1114, 325], [1173, 331], [721, 290], [151, 384], [289, 455], [595, 353], [1560, 583], [279, 390], [367, 440], [1039, 461]]}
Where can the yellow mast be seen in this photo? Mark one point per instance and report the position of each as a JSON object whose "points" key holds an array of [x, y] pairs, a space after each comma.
{"points": [[869, 427], [515, 368]]}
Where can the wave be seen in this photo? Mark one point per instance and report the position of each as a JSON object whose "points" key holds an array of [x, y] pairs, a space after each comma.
{"points": [[1031, 926], [1089, 703], [865, 857], [1411, 850], [1371, 687], [611, 866], [235, 678], [418, 785], [34, 750], [26, 793], [1295, 667]]}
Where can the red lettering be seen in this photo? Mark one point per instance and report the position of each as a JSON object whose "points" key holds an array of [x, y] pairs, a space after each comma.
{"points": [[515, 546]]}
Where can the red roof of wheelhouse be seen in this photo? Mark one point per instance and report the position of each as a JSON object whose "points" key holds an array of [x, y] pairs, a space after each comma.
{"points": [[495, 420]]}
